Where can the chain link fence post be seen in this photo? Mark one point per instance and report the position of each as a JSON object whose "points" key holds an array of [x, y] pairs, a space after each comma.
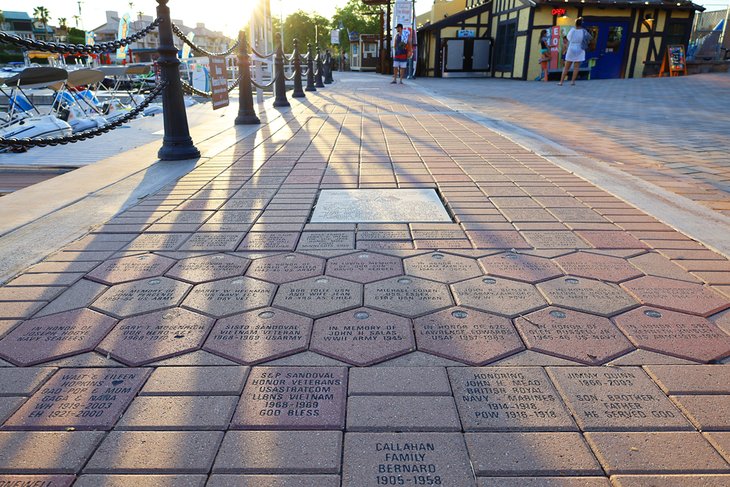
{"points": [[246, 113], [176, 143], [280, 80], [310, 68], [298, 91], [320, 69]]}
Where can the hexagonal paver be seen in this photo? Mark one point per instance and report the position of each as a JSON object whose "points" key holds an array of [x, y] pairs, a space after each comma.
{"points": [[678, 334], [407, 296], [155, 336], [259, 335], [229, 296], [467, 335], [573, 335], [680, 296], [442, 267], [587, 295], [364, 267], [595, 266], [117, 271], [144, 296], [501, 296], [319, 296], [362, 336], [55, 336], [521, 267], [286, 268], [208, 268]]}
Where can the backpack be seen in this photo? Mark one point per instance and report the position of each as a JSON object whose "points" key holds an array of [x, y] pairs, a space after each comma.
{"points": [[586, 42]]}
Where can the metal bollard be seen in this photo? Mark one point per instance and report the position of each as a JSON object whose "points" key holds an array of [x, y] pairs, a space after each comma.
{"points": [[320, 69], [310, 69], [246, 113], [328, 68], [298, 91], [280, 81], [176, 143]]}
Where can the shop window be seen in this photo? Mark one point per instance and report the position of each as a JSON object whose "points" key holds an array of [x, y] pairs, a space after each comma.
{"points": [[504, 56], [676, 33]]}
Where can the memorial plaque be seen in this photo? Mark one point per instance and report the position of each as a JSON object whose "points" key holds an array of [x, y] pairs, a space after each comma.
{"points": [[522, 267], [572, 335], [497, 239], [208, 268], [319, 296], [293, 398], [364, 267], [234, 217], [508, 399], [362, 336], [157, 241], [258, 241], [442, 267], [394, 245], [155, 336], [612, 239], [82, 399], [127, 269], [436, 234], [379, 206], [259, 335], [407, 296], [678, 334], [577, 215], [372, 459], [7, 480], [587, 295], [500, 296], [263, 193], [384, 234], [245, 204], [286, 268], [616, 399], [679, 296], [229, 296], [601, 267], [548, 239], [467, 336], [138, 297], [185, 217], [327, 241], [55, 336], [212, 241]]}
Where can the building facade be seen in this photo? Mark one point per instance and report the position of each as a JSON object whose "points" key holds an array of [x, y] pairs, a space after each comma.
{"points": [[501, 38]]}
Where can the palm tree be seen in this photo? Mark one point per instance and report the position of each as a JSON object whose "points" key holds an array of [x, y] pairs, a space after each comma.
{"points": [[2, 18], [42, 15], [62, 23], [76, 19]]}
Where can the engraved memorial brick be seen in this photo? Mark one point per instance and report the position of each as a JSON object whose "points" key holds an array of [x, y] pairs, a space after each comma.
{"points": [[587, 295], [212, 241], [286, 268], [131, 268], [572, 335], [685, 297], [155, 336], [259, 335], [144, 296], [88, 398], [319, 296], [55, 336], [157, 241], [407, 296], [362, 336], [500, 296], [467, 336], [442, 267], [600, 267], [557, 239], [497, 239], [326, 241], [508, 399], [295, 398], [521, 267], [208, 268], [229, 296], [258, 241], [364, 267], [616, 399]]}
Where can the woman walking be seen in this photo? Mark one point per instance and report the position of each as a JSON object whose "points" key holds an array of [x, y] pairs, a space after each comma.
{"points": [[575, 53]]}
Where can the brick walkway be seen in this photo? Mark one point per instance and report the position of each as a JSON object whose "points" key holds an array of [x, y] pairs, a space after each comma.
{"points": [[670, 132], [212, 335]]}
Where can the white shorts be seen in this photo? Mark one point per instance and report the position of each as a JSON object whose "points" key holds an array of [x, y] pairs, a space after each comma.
{"points": [[400, 64]]}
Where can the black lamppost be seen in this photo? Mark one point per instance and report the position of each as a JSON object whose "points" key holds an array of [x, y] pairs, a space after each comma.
{"points": [[176, 143]]}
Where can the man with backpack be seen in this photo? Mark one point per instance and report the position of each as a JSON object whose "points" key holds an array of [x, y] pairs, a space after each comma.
{"points": [[400, 55]]}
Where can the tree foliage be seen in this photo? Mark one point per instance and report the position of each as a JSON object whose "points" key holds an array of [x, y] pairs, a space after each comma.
{"points": [[302, 26], [355, 16]]}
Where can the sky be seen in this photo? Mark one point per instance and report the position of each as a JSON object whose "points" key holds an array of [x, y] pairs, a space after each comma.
{"points": [[224, 15]]}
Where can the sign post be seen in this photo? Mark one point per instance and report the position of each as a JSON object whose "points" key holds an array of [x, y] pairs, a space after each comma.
{"points": [[219, 82]]}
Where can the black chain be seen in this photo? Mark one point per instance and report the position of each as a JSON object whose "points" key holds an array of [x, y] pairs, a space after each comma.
{"points": [[86, 134], [190, 89], [180, 34], [262, 56], [62, 48]]}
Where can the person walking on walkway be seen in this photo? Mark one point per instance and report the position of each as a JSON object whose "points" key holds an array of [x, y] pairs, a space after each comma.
{"points": [[575, 54], [400, 57]]}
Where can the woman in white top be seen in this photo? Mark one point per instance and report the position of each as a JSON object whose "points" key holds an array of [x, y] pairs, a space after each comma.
{"points": [[575, 53]]}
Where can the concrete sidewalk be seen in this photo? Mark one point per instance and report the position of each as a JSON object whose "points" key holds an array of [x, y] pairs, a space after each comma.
{"points": [[235, 328]]}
